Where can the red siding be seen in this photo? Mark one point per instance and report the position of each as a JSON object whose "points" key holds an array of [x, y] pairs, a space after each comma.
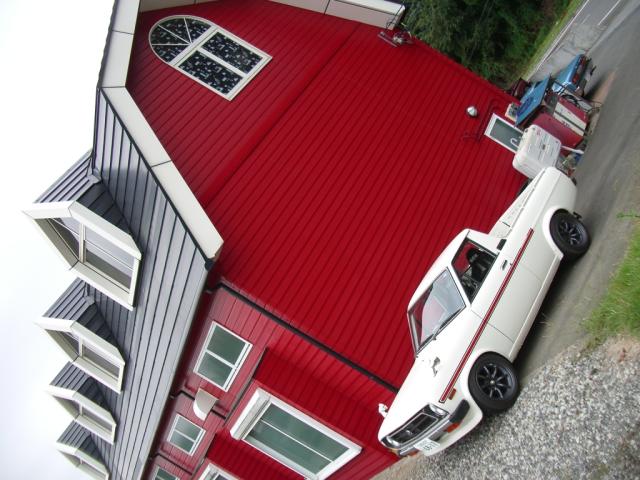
{"points": [[301, 375], [183, 406], [337, 175], [335, 178]]}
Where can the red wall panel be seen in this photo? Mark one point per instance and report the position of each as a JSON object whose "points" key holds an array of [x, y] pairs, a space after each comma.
{"points": [[295, 371], [337, 175], [183, 405]]}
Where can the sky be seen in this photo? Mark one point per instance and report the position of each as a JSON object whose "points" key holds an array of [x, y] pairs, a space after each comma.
{"points": [[51, 55]]}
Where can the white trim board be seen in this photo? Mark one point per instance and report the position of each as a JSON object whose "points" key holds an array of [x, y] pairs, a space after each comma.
{"points": [[379, 13], [256, 408], [197, 221]]}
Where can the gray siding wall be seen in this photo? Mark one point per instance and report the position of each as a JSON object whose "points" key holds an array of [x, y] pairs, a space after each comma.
{"points": [[172, 275]]}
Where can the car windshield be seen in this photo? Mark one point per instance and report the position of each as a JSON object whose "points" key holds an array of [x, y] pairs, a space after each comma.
{"points": [[431, 313]]}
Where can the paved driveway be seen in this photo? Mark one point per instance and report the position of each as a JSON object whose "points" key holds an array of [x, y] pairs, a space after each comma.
{"points": [[608, 194]]}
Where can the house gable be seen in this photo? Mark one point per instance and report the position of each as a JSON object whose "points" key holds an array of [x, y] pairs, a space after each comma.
{"points": [[337, 174]]}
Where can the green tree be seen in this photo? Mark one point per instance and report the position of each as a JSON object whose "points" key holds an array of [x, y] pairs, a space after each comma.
{"points": [[490, 37]]}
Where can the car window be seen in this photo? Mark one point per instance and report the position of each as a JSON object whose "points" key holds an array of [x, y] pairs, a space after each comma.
{"points": [[471, 264], [433, 311]]}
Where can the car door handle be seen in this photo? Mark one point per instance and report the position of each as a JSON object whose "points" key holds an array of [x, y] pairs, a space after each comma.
{"points": [[504, 264]]}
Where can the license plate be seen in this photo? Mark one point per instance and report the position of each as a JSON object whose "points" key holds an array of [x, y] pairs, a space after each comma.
{"points": [[426, 445]]}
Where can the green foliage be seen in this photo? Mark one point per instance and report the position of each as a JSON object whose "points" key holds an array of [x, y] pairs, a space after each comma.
{"points": [[494, 38], [619, 311]]}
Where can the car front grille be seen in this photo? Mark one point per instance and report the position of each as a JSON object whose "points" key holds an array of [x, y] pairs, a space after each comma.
{"points": [[418, 424]]}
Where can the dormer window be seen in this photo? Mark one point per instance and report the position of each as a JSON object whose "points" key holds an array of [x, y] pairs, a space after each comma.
{"points": [[97, 251], [86, 412], [207, 53], [79, 448], [87, 351], [85, 463]]}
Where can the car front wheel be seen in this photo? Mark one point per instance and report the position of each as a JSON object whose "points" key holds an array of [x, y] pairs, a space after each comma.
{"points": [[493, 383], [569, 234]]}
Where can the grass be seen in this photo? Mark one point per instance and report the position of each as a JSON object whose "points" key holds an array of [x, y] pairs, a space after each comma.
{"points": [[548, 33], [619, 310]]}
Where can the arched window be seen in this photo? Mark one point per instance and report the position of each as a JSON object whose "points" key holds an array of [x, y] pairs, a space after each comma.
{"points": [[207, 53]]}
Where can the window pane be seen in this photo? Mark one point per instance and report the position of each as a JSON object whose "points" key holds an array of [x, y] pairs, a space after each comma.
{"points": [[506, 134], [164, 475], [177, 26], [168, 52], [100, 362], [287, 447], [214, 370], [302, 432], [73, 406], [215, 476], [96, 419], [211, 73], [104, 255], [225, 345], [472, 263], [187, 428], [104, 264], [232, 52], [90, 467], [160, 36], [71, 341], [67, 229], [181, 441], [196, 28]]}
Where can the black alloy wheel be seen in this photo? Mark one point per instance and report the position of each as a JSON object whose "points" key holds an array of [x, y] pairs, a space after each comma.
{"points": [[569, 234], [493, 383]]}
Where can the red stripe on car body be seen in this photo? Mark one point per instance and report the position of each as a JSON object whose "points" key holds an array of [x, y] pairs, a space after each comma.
{"points": [[486, 319]]}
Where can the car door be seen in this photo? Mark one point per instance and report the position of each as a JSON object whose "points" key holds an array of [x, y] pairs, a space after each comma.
{"points": [[509, 289]]}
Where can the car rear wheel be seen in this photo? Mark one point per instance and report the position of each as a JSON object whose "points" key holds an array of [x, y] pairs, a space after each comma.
{"points": [[493, 383], [570, 235]]}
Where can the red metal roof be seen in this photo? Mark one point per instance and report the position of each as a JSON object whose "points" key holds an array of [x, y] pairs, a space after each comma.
{"points": [[337, 175]]}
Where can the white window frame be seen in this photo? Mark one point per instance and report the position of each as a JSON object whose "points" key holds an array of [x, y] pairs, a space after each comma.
{"points": [[258, 405], [215, 470], [41, 213], [86, 338], [193, 46], [196, 442], [157, 470], [86, 463], [65, 396], [234, 368], [497, 118]]}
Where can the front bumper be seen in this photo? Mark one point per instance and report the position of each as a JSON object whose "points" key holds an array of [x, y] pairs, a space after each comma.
{"points": [[466, 415]]}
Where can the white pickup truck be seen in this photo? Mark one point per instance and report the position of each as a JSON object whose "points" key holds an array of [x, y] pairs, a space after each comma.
{"points": [[471, 313]]}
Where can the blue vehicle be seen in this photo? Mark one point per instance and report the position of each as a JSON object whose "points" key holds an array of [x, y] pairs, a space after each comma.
{"points": [[574, 76]]}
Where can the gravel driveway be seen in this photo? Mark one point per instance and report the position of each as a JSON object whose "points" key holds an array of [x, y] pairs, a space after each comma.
{"points": [[577, 418]]}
